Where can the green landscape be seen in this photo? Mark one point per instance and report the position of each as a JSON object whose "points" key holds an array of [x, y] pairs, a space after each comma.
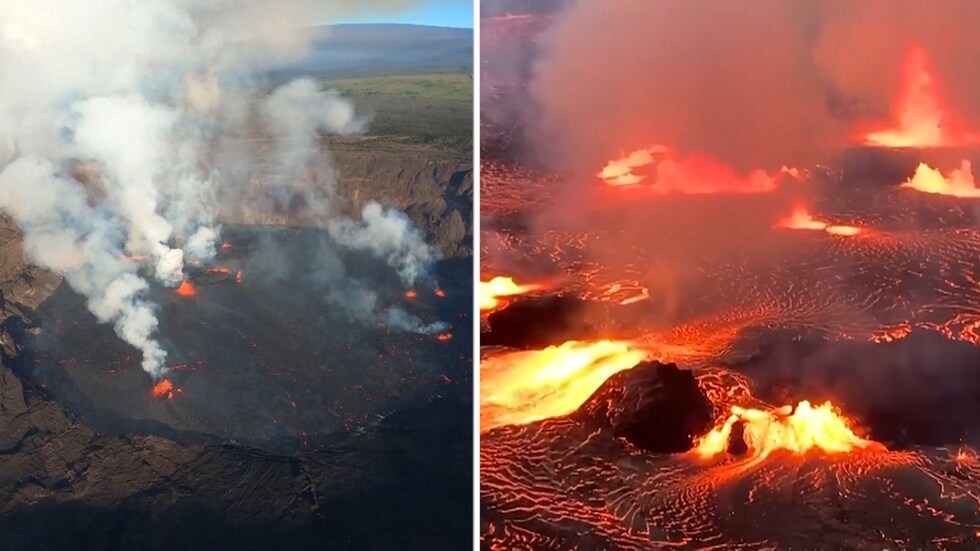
{"points": [[434, 109]]}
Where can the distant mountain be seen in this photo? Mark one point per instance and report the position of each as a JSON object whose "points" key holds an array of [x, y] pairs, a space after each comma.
{"points": [[361, 50]]}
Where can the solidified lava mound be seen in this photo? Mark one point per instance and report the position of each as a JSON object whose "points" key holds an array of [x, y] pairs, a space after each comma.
{"points": [[538, 322], [921, 390], [656, 407]]}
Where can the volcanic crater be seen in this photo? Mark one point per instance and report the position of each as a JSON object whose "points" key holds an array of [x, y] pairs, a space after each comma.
{"points": [[264, 353]]}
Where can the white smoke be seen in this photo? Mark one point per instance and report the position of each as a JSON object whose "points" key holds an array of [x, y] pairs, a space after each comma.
{"points": [[388, 234], [152, 98]]}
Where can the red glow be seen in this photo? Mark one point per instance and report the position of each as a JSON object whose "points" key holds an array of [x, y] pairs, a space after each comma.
{"points": [[440, 293], [226, 245], [187, 289], [667, 171], [165, 389], [444, 336], [410, 294]]}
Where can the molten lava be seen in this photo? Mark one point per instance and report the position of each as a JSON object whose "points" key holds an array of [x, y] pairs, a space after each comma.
{"points": [[186, 289], [491, 292], [529, 385], [410, 294], [801, 219], [444, 337], [958, 183], [692, 174], [798, 431], [440, 293], [921, 118], [165, 389]]}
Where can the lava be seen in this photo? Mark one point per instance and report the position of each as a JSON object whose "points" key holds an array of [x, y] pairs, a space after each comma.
{"points": [[165, 389], [958, 183], [226, 245], [692, 174], [801, 219], [524, 386], [439, 293], [491, 292], [186, 289], [410, 294], [444, 337], [921, 117], [797, 430]]}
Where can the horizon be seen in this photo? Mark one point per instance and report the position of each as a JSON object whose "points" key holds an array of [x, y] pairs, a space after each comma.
{"points": [[435, 13]]}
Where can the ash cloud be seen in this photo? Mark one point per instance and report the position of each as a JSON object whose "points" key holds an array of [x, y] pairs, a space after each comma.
{"points": [[123, 134]]}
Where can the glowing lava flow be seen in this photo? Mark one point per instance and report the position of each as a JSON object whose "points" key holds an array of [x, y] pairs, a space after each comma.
{"points": [[801, 219], [186, 289], [692, 174], [529, 385], [958, 183], [491, 292], [165, 389], [921, 117], [798, 431]]}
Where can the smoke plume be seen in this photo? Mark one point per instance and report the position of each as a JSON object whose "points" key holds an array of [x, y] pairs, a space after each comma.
{"points": [[122, 134]]}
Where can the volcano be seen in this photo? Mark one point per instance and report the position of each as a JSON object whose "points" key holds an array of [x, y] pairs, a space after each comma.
{"points": [[725, 364]]}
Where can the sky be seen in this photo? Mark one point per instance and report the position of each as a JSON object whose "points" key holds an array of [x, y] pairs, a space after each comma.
{"points": [[436, 13]]}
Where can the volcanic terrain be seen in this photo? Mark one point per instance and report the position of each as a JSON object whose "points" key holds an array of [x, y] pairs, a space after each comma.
{"points": [[799, 373]]}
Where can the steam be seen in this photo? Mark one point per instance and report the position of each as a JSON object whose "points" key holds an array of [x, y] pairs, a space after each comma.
{"points": [[122, 135], [387, 234]]}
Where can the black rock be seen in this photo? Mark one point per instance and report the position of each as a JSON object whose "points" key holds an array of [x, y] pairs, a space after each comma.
{"points": [[656, 407], [539, 321]]}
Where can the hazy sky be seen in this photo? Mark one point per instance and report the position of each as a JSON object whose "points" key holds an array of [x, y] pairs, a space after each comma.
{"points": [[440, 13]]}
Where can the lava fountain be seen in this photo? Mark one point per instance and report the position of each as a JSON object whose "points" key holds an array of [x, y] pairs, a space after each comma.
{"points": [[921, 116], [797, 430], [958, 182]]}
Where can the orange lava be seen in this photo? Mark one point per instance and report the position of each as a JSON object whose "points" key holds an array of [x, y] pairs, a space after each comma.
{"points": [[958, 183], [801, 219], [226, 245], [165, 389], [491, 292], [238, 276], [440, 293], [691, 174], [187, 289], [410, 294], [798, 431], [920, 116], [520, 387], [218, 270], [444, 336]]}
